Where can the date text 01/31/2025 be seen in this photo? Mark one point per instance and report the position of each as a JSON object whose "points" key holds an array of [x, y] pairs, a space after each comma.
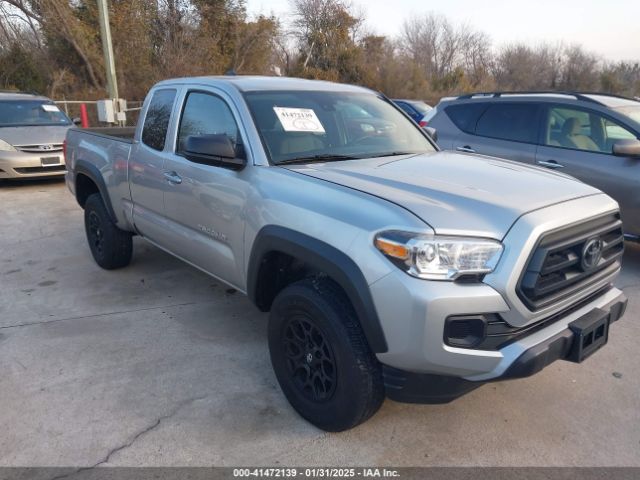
{"points": [[315, 472]]}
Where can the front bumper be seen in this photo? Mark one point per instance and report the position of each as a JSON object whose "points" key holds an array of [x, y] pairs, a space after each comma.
{"points": [[414, 312], [566, 344], [27, 165]]}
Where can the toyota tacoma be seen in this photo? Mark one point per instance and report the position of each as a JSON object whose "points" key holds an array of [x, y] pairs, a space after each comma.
{"points": [[389, 268]]}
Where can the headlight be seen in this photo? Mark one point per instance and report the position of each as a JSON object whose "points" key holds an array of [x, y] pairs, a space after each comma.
{"points": [[434, 257], [5, 147]]}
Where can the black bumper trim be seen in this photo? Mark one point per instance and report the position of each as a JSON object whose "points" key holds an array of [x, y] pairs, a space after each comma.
{"points": [[410, 387], [557, 347]]}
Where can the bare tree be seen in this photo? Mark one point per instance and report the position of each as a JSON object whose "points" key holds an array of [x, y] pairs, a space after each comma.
{"points": [[55, 45], [58, 16], [477, 58], [255, 42], [433, 43], [579, 70], [325, 29], [522, 67], [15, 26]]}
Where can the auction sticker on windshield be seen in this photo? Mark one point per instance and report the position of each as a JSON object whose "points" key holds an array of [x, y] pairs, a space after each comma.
{"points": [[49, 108], [299, 120]]}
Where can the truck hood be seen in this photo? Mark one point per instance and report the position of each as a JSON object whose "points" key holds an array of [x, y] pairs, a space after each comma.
{"points": [[454, 193], [34, 135]]}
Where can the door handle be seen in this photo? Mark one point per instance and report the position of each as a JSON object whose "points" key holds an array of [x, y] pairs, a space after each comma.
{"points": [[466, 149], [173, 177], [549, 164]]}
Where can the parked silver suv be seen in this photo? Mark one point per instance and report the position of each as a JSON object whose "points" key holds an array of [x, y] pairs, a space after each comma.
{"points": [[32, 131], [593, 137]]}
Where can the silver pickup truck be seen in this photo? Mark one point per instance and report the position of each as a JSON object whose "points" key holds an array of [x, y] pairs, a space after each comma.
{"points": [[388, 267]]}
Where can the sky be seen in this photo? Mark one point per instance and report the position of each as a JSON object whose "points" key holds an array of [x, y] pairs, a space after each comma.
{"points": [[610, 28]]}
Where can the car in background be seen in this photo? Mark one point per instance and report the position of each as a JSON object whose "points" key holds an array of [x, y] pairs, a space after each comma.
{"points": [[416, 109], [594, 137], [32, 132]]}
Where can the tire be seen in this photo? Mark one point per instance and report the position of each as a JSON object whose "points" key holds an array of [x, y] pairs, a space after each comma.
{"points": [[321, 357], [111, 247]]}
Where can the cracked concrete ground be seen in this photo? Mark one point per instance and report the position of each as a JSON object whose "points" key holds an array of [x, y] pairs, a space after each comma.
{"points": [[158, 364]]}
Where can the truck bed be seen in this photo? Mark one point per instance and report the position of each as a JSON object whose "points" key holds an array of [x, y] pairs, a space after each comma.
{"points": [[122, 134]]}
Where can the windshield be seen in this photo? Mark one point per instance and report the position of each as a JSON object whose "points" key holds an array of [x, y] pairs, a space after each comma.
{"points": [[332, 125], [18, 113], [632, 112]]}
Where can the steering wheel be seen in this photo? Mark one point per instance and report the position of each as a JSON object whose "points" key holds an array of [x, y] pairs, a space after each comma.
{"points": [[360, 140]]}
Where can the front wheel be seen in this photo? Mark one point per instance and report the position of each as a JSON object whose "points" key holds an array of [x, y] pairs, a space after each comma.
{"points": [[111, 247], [321, 357]]}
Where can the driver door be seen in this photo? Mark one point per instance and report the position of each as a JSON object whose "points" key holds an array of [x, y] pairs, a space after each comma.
{"points": [[204, 204], [579, 142]]}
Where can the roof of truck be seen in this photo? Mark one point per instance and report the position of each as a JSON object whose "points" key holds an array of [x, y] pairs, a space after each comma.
{"points": [[248, 83]]}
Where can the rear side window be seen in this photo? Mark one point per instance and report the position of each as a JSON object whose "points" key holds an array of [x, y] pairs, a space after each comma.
{"points": [[517, 122], [156, 123], [465, 116]]}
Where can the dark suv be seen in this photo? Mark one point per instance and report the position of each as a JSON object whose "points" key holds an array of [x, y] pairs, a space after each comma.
{"points": [[593, 137]]}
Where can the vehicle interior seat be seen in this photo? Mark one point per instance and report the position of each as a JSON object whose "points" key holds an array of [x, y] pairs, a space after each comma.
{"points": [[572, 137], [281, 142], [300, 143]]}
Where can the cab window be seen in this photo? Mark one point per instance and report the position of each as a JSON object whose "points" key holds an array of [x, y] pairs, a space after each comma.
{"points": [[206, 114], [578, 129], [156, 123]]}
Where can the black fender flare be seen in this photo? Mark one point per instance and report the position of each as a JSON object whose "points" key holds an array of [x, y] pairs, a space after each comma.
{"points": [[323, 257], [91, 171]]}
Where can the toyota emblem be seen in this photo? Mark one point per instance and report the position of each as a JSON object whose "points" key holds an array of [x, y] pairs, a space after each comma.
{"points": [[46, 147], [592, 253]]}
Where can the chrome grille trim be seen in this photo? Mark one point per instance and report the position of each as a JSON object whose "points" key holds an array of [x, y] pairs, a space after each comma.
{"points": [[554, 269], [55, 148], [522, 239]]}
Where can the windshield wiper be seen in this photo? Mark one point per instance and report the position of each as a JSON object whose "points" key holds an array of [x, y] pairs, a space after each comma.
{"points": [[391, 154], [327, 157]]}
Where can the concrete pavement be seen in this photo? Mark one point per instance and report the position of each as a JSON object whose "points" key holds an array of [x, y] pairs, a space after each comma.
{"points": [[158, 364]]}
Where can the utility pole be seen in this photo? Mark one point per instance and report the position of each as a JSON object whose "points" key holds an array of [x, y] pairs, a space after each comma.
{"points": [[107, 48]]}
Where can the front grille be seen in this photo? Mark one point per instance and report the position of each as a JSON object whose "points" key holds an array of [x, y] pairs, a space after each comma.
{"points": [[54, 168], [47, 148], [560, 266], [500, 334]]}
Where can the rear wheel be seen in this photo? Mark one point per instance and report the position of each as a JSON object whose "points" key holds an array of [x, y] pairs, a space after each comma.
{"points": [[111, 247], [321, 357]]}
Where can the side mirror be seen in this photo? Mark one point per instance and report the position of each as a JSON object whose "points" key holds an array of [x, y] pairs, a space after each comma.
{"points": [[432, 132], [216, 150], [627, 148], [77, 121]]}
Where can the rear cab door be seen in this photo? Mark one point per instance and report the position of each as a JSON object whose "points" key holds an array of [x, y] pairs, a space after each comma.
{"points": [[146, 174], [504, 129]]}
